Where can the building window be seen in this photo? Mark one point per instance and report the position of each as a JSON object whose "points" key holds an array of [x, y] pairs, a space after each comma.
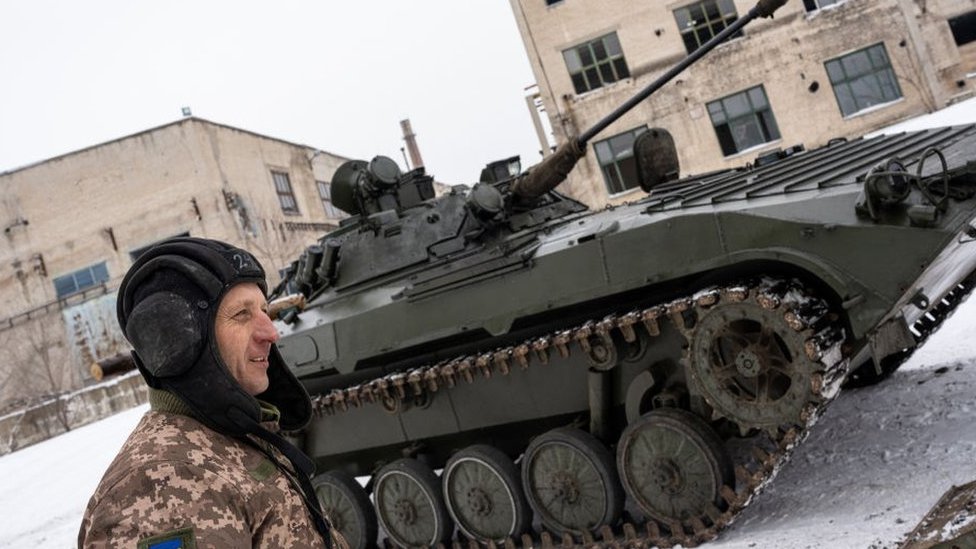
{"points": [[325, 193], [596, 63], [90, 276], [700, 21], [743, 120], [963, 28], [285, 195], [617, 162], [863, 79], [814, 5]]}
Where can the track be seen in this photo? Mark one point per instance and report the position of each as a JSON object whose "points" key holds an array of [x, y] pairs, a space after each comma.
{"points": [[924, 327], [803, 323]]}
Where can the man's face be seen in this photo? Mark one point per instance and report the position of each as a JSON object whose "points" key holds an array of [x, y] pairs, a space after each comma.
{"points": [[245, 335]]}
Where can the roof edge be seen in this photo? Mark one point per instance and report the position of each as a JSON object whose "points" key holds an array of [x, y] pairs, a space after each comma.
{"points": [[183, 120]]}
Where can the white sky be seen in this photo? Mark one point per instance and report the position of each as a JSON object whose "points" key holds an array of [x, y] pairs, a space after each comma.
{"points": [[334, 75]]}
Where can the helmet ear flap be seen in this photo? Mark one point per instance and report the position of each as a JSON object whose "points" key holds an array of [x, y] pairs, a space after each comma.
{"points": [[169, 333]]}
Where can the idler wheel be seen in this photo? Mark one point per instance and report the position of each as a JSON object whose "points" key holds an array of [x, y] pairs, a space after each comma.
{"points": [[750, 365], [673, 465], [409, 504], [347, 507], [571, 482], [484, 495]]}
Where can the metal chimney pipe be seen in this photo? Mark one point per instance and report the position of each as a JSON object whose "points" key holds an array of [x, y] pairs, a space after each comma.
{"points": [[411, 139]]}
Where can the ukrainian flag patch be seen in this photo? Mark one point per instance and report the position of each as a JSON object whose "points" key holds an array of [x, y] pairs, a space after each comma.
{"points": [[176, 539]]}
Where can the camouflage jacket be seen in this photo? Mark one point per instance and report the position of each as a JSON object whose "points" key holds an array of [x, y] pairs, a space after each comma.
{"points": [[178, 484]]}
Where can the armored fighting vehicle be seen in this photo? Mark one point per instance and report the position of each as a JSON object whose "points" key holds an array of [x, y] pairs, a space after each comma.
{"points": [[632, 375]]}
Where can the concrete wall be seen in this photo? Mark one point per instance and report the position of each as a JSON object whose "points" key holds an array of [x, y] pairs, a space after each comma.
{"points": [[785, 54], [43, 421]]}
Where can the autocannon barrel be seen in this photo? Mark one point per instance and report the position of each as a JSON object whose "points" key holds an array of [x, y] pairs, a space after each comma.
{"points": [[552, 171]]}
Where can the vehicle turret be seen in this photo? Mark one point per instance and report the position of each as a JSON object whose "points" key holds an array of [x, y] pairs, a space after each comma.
{"points": [[396, 222]]}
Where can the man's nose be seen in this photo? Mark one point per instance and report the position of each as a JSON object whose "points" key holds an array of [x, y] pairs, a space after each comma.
{"points": [[266, 330]]}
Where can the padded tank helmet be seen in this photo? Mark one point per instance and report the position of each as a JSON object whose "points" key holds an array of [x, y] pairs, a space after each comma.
{"points": [[167, 306]]}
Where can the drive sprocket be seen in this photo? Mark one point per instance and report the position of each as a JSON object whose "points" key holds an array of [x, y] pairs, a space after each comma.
{"points": [[748, 355]]}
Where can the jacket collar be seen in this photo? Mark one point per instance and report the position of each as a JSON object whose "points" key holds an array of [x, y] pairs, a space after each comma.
{"points": [[161, 400]]}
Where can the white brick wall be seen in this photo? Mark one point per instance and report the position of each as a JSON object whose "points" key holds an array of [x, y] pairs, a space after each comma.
{"points": [[785, 54], [103, 202]]}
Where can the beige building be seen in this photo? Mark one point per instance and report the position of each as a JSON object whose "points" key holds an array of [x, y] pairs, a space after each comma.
{"points": [[74, 224], [821, 69]]}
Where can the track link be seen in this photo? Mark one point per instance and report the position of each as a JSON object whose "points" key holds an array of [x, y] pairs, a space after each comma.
{"points": [[770, 449]]}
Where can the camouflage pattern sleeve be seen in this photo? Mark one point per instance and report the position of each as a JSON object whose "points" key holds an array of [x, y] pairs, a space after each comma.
{"points": [[165, 497], [175, 478]]}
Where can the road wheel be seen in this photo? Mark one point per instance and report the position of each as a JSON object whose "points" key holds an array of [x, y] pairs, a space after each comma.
{"points": [[570, 481], [673, 465], [409, 504], [484, 495], [347, 506]]}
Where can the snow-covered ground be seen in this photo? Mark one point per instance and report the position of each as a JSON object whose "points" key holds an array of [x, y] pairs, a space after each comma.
{"points": [[45, 487], [871, 468]]}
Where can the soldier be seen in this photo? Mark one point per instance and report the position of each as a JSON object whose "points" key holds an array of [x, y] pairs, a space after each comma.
{"points": [[205, 467]]}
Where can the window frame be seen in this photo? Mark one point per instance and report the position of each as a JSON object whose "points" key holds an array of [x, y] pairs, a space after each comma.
{"points": [[616, 177], [691, 27], [848, 82], [958, 34], [96, 279], [815, 5], [612, 60], [285, 193], [767, 125], [325, 195]]}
